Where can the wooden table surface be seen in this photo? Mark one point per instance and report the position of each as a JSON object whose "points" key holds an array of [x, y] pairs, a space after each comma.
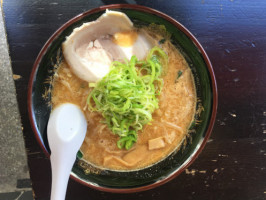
{"points": [[233, 33]]}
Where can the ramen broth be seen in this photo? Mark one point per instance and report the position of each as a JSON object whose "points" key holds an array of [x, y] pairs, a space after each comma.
{"points": [[165, 133]]}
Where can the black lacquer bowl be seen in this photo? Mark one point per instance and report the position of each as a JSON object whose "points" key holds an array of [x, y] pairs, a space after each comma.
{"points": [[173, 165]]}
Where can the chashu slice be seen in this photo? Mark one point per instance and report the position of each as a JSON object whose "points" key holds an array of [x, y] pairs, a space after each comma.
{"points": [[86, 60]]}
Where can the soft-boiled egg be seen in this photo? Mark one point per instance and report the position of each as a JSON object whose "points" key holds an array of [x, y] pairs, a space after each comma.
{"points": [[91, 48]]}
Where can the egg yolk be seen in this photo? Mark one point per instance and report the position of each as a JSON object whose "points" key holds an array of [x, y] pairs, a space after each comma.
{"points": [[125, 38]]}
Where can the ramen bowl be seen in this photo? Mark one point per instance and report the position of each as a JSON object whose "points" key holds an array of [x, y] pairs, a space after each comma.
{"points": [[39, 106]]}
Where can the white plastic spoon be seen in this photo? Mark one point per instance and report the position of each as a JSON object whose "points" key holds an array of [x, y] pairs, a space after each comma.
{"points": [[66, 131]]}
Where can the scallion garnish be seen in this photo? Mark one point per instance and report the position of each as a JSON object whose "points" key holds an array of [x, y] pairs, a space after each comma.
{"points": [[179, 73], [128, 95]]}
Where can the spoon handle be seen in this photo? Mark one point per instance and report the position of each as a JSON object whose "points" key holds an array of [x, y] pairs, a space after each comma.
{"points": [[61, 168]]}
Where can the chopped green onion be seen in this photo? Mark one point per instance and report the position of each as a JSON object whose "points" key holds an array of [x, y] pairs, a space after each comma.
{"points": [[79, 154], [128, 95], [179, 73], [162, 41]]}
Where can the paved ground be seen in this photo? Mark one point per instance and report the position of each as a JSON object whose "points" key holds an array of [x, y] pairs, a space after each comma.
{"points": [[15, 183]]}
